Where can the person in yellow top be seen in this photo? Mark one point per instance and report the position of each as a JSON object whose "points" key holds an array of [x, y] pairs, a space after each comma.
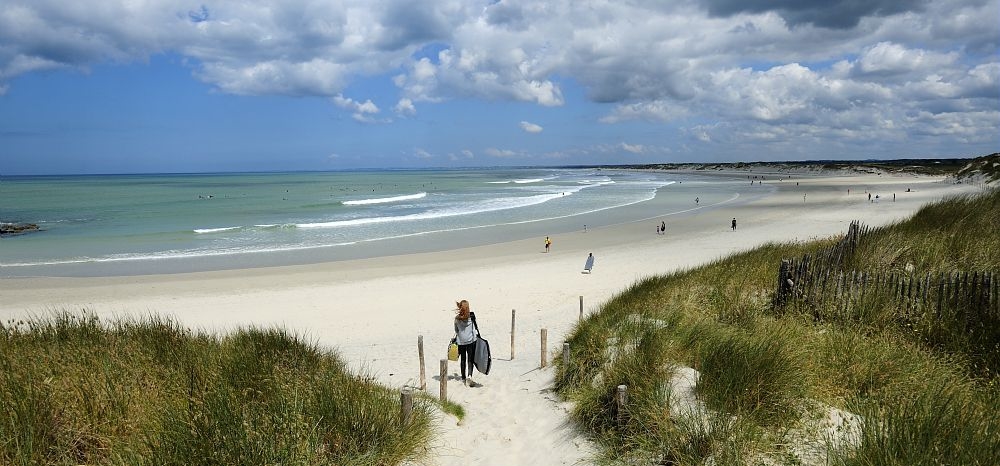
{"points": [[548, 244]]}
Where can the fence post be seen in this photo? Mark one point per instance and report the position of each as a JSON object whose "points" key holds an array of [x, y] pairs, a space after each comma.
{"points": [[420, 351], [927, 284], [993, 292], [444, 380], [940, 295], [405, 406], [995, 295], [544, 344], [513, 314], [581, 307], [566, 354], [621, 402], [956, 283], [784, 281]]}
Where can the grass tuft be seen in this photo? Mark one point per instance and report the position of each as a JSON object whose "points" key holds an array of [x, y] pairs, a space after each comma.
{"points": [[153, 392]]}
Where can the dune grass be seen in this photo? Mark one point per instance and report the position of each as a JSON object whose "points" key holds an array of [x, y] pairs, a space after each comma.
{"points": [[75, 390], [926, 394]]}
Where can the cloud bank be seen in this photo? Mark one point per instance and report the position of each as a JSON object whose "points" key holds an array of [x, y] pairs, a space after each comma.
{"points": [[734, 74]]}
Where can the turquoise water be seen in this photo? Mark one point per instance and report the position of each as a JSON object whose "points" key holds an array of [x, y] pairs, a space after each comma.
{"points": [[250, 219]]}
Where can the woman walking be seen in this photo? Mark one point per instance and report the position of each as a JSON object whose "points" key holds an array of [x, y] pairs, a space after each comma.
{"points": [[465, 337]]}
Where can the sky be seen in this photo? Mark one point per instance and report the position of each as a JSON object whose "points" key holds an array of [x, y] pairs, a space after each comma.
{"points": [[176, 86]]}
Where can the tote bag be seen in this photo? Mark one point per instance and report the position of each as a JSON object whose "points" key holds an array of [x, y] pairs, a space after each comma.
{"points": [[453, 352]]}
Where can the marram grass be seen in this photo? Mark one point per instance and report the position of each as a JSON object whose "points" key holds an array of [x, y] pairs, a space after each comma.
{"points": [[75, 390], [923, 394]]}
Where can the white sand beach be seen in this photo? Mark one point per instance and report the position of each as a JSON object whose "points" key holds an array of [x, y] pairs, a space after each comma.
{"points": [[373, 310]]}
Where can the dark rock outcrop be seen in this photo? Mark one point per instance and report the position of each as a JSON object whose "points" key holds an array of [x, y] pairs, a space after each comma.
{"points": [[9, 229]]}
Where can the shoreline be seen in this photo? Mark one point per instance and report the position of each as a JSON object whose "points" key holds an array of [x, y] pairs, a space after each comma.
{"points": [[372, 310], [665, 203]]}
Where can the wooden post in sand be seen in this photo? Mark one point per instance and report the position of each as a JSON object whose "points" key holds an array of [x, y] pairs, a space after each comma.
{"points": [[566, 354], [513, 314], [420, 351], [405, 406], [621, 401], [581, 307], [545, 338], [444, 380]]}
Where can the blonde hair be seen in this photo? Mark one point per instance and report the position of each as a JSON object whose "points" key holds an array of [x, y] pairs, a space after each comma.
{"points": [[463, 309]]}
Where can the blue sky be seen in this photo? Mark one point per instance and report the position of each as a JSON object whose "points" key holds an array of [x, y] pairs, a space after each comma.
{"points": [[117, 86]]}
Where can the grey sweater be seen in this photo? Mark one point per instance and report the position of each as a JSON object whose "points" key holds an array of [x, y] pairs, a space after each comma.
{"points": [[465, 331]]}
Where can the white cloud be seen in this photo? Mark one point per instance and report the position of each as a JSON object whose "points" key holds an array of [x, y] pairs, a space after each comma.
{"points": [[889, 59], [530, 127], [715, 69], [423, 154], [362, 111], [633, 148], [405, 107]]}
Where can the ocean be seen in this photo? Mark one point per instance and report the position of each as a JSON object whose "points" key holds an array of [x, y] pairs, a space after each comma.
{"points": [[131, 224]]}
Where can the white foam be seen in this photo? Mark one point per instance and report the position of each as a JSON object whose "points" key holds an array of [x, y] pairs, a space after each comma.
{"points": [[215, 230], [384, 200], [521, 181], [490, 205]]}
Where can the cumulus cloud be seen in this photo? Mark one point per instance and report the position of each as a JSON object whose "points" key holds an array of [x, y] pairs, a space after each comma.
{"points": [[530, 127], [889, 59], [718, 70], [362, 111], [405, 107]]}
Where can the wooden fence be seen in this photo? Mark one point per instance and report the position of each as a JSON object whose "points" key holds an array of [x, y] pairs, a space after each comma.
{"points": [[819, 284]]}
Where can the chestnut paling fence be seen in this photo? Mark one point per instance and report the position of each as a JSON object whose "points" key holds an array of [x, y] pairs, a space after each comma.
{"points": [[818, 284], [958, 310]]}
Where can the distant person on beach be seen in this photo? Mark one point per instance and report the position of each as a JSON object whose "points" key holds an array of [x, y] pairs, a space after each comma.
{"points": [[465, 337], [734, 223], [696, 201], [663, 227], [589, 265], [548, 244]]}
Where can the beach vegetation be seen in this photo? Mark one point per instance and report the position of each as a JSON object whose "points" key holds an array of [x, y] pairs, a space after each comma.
{"points": [[719, 371], [78, 390]]}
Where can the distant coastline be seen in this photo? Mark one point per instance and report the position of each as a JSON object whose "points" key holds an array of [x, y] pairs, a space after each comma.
{"points": [[986, 165]]}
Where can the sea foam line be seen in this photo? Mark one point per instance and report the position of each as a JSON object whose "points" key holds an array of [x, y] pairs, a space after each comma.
{"points": [[174, 254], [521, 181], [383, 200], [215, 230]]}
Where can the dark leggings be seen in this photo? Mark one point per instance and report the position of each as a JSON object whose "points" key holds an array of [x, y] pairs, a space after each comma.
{"points": [[467, 353]]}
